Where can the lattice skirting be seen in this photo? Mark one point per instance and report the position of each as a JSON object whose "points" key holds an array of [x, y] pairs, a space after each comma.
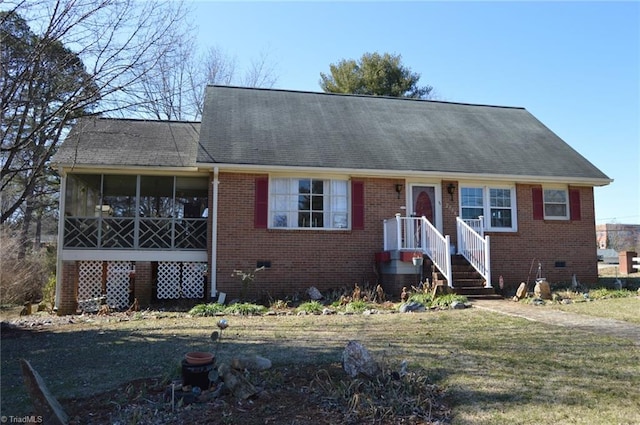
{"points": [[180, 280], [89, 285], [90, 293]]}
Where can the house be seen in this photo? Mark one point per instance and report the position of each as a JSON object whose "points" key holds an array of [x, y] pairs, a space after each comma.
{"points": [[323, 190]]}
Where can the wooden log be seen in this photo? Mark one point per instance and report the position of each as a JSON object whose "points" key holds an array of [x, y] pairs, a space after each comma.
{"points": [[45, 404]]}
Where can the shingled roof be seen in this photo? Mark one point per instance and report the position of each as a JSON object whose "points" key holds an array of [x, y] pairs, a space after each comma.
{"points": [[130, 142], [266, 127]]}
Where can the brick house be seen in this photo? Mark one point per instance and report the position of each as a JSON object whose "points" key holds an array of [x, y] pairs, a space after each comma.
{"points": [[322, 190]]}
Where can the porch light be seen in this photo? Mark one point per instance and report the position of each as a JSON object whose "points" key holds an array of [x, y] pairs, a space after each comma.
{"points": [[451, 189], [399, 189]]}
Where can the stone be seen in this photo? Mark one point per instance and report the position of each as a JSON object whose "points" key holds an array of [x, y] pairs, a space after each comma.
{"points": [[522, 291], [457, 305], [327, 311], [251, 363], [411, 307], [356, 360], [234, 380], [542, 289], [314, 294]]}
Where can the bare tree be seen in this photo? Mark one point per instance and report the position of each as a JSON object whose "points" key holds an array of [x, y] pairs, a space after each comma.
{"points": [[112, 44]]}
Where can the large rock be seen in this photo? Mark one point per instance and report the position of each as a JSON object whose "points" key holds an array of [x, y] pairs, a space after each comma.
{"points": [[411, 306], [356, 360], [314, 294], [522, 291], [542, 289], [251, 363]]}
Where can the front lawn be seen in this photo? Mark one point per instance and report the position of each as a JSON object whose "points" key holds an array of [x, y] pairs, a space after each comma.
{"points": [[493, 369]]}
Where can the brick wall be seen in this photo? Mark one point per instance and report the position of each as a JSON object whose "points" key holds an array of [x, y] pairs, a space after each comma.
{"points": [[331, 259], [143, 284], [68, 302], [299, 258], [551, 243]]}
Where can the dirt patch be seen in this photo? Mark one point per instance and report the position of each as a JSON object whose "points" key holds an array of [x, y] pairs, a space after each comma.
{"points": [[292, 395]]}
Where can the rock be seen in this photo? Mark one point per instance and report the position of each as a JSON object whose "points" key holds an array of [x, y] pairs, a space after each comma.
{"points": [[566, 301], [457, 305], [411, 307], [542, 289], [356, 360], [522, 291], [314, 294], [327, 311], [239, 386], [251, 363]]}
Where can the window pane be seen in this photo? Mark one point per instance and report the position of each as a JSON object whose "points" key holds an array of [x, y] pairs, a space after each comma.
{"points": [[318, 186], [500, 198], [304, 203], [304, 186], [304, 219], [317, 219], [317, 203], [555, 210], [471, 213], [500, 218], [471, 197], [555, 196]]}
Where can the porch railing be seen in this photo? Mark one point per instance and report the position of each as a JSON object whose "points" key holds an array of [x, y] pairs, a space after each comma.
{"points": [[135, 233], [474, 246], [418, 234]]}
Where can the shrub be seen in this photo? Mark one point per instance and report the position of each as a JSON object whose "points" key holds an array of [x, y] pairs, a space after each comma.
{"points": [[205, 310], [445, 301], [423, 298], [357, 306], [602, 293], [23, 278], [313, 307]]}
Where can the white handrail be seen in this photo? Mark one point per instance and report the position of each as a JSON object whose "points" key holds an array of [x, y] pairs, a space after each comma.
{"points": [[475, 248], [436, 246]]}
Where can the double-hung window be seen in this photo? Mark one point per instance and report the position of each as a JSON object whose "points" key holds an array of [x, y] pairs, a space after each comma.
{"points": [[301, 203], [496, 204], [556, 204]]}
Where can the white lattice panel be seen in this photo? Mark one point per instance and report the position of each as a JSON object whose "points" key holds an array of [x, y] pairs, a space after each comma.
{"points": [[118, 283], [89, 285], [168, 280], [193, 280]]}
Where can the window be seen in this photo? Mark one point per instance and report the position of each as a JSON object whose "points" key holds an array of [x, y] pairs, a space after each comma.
{"points": [[556, 205], [496, 205], [309, 203]]}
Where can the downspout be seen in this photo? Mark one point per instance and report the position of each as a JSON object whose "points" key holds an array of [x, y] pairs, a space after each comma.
{"points": [[61, 207], [214, 232]]}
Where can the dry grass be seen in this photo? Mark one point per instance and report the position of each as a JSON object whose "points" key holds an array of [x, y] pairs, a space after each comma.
{"points": [[495, 369]]}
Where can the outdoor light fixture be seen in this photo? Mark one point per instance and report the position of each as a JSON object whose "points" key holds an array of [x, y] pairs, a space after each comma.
{"points": [[399, 189], [451, 188]]}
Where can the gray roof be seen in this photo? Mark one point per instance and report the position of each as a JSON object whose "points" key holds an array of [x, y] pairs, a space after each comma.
{"points": [[129, 142], [288, 128]]}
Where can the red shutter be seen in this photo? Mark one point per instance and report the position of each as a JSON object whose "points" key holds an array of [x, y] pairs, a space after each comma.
{"points": [[574, 204], [357, 205], [538, 203], [261, 209]]}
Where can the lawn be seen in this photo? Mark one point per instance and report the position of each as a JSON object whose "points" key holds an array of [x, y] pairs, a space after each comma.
{"points": [[494, 369]]}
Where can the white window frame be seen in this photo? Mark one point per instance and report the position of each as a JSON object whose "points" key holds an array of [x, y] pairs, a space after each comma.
{"points": [[546, 201], [487, 207], [283, 203]]}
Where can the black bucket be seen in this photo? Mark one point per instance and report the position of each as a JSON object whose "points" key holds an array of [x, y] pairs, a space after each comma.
{"points": [[196, 375]]}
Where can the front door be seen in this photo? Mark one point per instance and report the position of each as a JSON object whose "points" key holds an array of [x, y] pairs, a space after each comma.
{"points": [[423, 201]]}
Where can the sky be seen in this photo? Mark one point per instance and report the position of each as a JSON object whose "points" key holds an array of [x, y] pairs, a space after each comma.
{"points": [[573, 65]]}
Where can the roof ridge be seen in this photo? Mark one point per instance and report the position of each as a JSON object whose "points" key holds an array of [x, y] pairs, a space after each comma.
{"points": [[368, 96]]}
